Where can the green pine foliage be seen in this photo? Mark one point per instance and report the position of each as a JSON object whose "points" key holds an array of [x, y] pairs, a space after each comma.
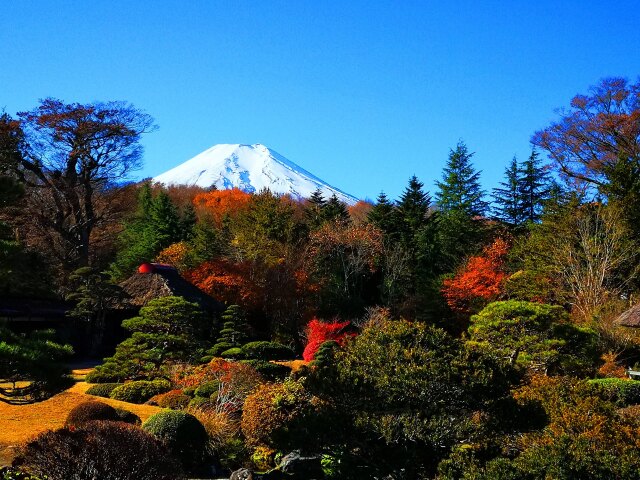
{"points": [[382, 214], [168, 329], [36, 358], [234, 332], [507, 197], [156, 225], [461, 210]]}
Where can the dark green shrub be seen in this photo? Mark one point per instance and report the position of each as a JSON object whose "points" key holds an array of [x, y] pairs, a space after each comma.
{"points": [[182, 432], [207, 389], [218, 348], [173, 399], [620, 391], [105, 374], [233, 353], [102, 389], [128, 417], [189, 391], [199, 402], [268, 351], [108, 450], [140, 391], [270, 371], [89, 411]]}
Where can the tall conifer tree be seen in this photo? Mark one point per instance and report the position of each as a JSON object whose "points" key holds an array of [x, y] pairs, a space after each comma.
{"points": [[508, 208], [533, 188], [460, 199]]}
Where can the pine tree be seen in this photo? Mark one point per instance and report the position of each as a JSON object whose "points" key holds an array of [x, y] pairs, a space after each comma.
{"points": [[234, 331], [461, 223], [382, 214], [533, 188], [155, 226], [412, 211], [334, 210], [313, 209], [460, 188], [508, 199]]}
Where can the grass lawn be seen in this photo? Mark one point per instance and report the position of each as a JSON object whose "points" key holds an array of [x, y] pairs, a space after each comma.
{"points": [[19, 423]]}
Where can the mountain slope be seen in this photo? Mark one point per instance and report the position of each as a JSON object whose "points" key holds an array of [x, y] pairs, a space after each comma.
{"points": [[250, 168]]}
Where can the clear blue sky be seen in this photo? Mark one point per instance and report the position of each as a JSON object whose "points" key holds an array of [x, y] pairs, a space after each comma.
{"points": [[362, 93]]}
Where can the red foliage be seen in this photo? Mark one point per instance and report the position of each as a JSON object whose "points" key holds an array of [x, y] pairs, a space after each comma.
{"points": [[319, 332], [231, 283], [220, 203], [480, 281]]}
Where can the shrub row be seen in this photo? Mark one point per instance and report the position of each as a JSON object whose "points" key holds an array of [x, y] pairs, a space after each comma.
{"points": [[140, 391], [620, 391]]}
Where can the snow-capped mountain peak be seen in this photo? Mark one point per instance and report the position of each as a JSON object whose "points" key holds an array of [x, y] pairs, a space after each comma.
{"points": [[250, 168]]}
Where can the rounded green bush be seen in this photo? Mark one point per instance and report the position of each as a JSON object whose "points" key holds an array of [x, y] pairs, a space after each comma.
{"points": [[140, 391], [233, 353], [90, 411], [268, 351], [128, 417], [620, 391], [104, 374], [102, 389], [218, 348], [207, 389], [182, 432]]}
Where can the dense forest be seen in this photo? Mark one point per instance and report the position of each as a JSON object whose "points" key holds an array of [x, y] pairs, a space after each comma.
{"points": [[452, 334]]}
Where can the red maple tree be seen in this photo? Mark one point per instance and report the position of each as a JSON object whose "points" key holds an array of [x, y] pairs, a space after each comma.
{"points": [[480, 281]]}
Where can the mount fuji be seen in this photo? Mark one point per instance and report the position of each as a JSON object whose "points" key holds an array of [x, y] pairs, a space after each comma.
{"points": [[250, 168]]}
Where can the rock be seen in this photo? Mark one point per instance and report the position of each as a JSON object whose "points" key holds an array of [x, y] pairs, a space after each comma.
{"points": [[300, 467], [242, 474]]}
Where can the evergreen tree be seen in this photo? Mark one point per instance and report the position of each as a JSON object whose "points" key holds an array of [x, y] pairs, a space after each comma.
{"points": [[533, 188], [412, 212], [508, 199], [382, 214], [234, 331], [460, 199], [334, 210], [155, 226], [167, 329], [314, 208], [460, 188]]}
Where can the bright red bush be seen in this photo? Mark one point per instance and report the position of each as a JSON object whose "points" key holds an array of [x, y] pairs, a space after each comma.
{"points": [[319, 332]]}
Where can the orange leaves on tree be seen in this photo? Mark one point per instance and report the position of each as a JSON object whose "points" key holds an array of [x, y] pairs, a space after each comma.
{"points": [[231, 283], [319, 332], [480, 281], [175, 255], [220, 203]]}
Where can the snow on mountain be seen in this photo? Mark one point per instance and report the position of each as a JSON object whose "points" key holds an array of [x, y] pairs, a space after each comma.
{"points": [[250, 168]]}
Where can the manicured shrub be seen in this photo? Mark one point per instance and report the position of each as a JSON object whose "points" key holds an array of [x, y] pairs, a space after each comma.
{"points": [[267, 351], [182, 432], [218, 348], [207, 389], [89, 411], [102, 389], [270, 371], [140, 391], [234, 353], [10, 473], [621, 391], [174, 399], [106, 374], [108, 450], [128, 417]]}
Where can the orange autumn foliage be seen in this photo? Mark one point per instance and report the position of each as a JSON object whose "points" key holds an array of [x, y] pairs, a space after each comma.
{"points": [[480, 281], [220, 203], [229, 282], [175, 255]]}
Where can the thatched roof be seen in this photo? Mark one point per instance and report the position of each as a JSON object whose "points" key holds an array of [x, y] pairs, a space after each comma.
{"points": [[163, 281], [629, 318]]}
